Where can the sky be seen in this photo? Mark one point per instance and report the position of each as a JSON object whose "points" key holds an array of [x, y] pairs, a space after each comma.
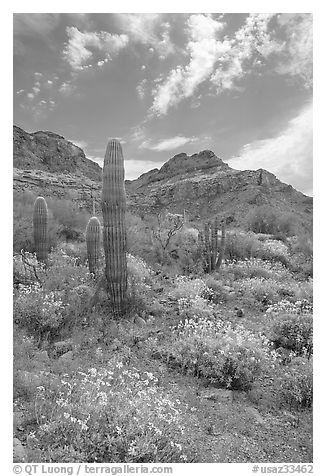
{"points": [[237, 84]]}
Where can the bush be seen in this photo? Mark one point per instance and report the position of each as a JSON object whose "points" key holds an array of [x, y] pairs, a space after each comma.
{"points": [[294, 384], [240, 246], [188, 288], [214, 351], [265, 291], [266, 219], [292, 331], [39, 312], [114, 414]]}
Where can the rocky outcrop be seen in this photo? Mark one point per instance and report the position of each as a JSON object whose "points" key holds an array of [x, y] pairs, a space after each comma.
{"points": [[206, 186], [52, 153]]}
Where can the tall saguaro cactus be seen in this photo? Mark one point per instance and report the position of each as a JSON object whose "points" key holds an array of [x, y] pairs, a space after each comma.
{"points": [[114, 226], [93, 238], [40, 229]]}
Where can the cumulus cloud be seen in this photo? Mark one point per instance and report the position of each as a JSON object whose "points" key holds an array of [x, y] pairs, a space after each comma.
{"points": [[250, 41], [288, 155], [284, 42], [78, 49], [298, 48], [203, 49], [147, 29], [167, 144]]}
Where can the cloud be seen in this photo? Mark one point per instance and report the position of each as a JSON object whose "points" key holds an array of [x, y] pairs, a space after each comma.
{"points": [[288, 155], [203, 49], [298, 48], [141, 88], [282, 42], [250, 41], [168, 144], [147, 29], [67, 88], [78, 49]]}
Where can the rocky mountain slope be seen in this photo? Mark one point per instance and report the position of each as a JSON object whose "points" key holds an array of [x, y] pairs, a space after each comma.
{"points": [[202, 185], [52, 153]]}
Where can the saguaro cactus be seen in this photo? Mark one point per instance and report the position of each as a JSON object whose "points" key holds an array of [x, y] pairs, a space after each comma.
{"points": [[213, 244], [114, 226], [93, 231], [40, 229]]}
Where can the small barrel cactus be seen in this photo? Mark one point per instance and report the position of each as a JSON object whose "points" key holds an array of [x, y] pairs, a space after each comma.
{"points": [[40, 229], [114, 226], [93, 238]]}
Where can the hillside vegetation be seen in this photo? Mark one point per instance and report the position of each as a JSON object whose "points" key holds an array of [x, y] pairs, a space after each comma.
{"points": [[202, 367]]}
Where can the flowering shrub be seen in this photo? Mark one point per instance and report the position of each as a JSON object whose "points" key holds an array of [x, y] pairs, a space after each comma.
{"points": [[293, 331], [263, 290], [139, 273], [185, 287], [37, 311], [222, 355], [288, 307], [65, 272], [294, 384], [259, 268], [197, 307], [273, 250], [113, 414]]}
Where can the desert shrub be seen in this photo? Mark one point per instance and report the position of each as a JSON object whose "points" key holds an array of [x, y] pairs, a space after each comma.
{"points": [[65, 272], [188, 288], [217, 287], [139, 238], [266, 219], [218, 353], [139, 273], [185, 252], [258, 268], [273, 250], [301, 255], [114, 414], [71, 220], [294, 383], [240, 246], [197, 307], [293, 331], [26, 269], [78, 251], [263, 290], [40, 313]]}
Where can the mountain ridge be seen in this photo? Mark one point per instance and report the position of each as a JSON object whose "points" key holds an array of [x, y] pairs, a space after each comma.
{"points": [[201, 184]]}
